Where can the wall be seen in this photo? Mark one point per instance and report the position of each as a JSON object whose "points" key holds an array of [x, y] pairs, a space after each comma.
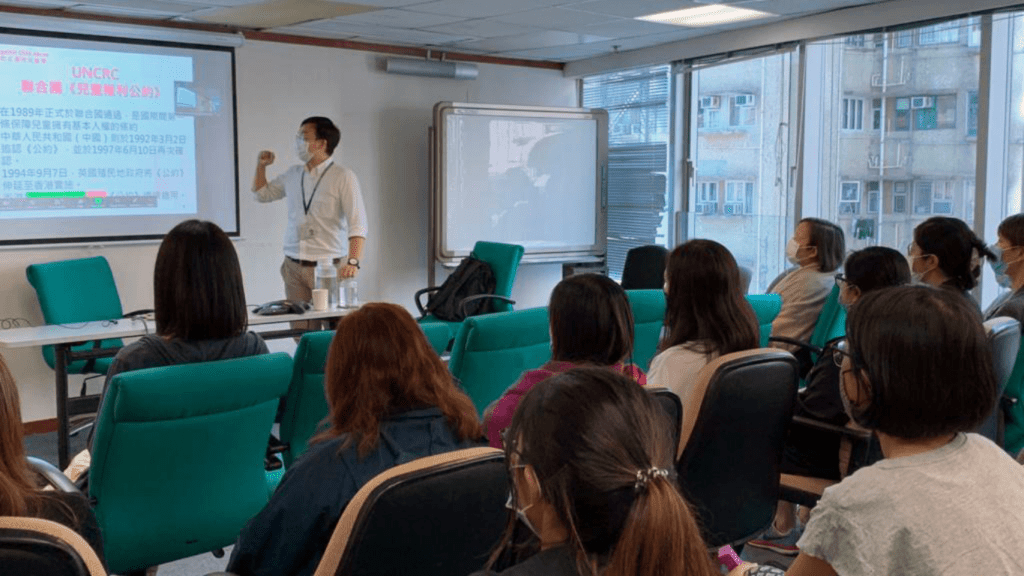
{"points": [[384, 121]]}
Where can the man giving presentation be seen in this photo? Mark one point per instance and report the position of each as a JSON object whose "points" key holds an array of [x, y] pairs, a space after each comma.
{"points": [[325, 206]]}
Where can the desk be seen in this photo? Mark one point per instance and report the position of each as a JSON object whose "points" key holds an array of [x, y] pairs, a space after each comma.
{"points": [[63, 336]]}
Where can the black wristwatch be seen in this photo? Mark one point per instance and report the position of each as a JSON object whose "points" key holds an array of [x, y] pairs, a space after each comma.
{"points": [[353, 262]]}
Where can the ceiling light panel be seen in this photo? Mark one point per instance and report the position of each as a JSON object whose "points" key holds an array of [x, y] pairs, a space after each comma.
{"points": [[399, 19], [709, 15]]}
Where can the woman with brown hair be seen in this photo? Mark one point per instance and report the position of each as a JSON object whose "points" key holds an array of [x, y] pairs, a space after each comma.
{"points": [[19, 496], [591, 324], [391, 400], [706, 314], [591, 460]]}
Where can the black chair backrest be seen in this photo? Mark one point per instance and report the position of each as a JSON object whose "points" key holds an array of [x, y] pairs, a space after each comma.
{"points": [[729, 466], [439, 521], [673, 408], [36, 547], [1004, 335], [644, 268]]}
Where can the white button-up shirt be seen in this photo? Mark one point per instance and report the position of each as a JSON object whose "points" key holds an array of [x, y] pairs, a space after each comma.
{"points": [[336, 209]]}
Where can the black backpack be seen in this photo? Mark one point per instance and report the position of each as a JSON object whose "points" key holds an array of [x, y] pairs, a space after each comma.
{"points": [[471, 278]]}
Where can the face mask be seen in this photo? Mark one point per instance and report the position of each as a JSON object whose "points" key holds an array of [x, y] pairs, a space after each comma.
{"points": [[521, 514], [999, 267], [302, 149], [847, 405], [915, 277], [792, 247]]}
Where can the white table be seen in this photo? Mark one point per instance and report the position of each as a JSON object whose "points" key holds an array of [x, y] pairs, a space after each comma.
{"points": [[63, 336]]}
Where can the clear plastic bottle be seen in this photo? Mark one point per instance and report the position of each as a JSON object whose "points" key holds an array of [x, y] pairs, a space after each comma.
{"points": [[351, 293], [326, 276]]}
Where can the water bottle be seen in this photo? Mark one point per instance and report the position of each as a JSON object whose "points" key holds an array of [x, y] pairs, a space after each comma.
{"points": [[351, 295], [326, 277]]}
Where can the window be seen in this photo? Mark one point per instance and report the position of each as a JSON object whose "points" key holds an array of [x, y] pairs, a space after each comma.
{"points": [[942, 33], [637, 102], [942, 198], [849, 197], [739, 197], [901, 114], [899, 197], [903, 39], [709, 116], [924, 112], [707, 198], [923, 197], [874, 197], [974, 31], [855, 41], [742, 112], [876, 113], [972, 113], [853, 114]]}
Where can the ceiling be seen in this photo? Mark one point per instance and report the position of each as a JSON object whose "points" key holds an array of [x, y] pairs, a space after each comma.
{"points": [[550, 30]]}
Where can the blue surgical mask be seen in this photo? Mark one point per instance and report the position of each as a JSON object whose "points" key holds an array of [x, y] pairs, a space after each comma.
{"points": [[999, 267]]}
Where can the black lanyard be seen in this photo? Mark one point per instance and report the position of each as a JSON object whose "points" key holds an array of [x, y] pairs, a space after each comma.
{"points": [[302, 185]]}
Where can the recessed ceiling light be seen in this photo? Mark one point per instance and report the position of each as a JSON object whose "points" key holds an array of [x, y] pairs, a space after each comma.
{"points": [[710, 15]]}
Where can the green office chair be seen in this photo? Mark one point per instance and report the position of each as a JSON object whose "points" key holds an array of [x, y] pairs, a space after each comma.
{"points": [[831, 324], [648, 318], [305, 404], [649, 315], [1012, 407], [72, 291], [177, 459], [491, 352], [766, 308], [438, 334], [504, 260]]}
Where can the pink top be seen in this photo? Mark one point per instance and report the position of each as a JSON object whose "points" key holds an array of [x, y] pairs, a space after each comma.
{"points": [[498, 415]]}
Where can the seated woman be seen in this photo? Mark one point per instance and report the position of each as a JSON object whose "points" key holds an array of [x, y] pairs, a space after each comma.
{"points": [[391, 400], [918, 371], [706, 314], [199, 300], [593, 478], [1008, 266], [591, 323], [946, 253], [812, 453], [19, 496], [817, 248]]}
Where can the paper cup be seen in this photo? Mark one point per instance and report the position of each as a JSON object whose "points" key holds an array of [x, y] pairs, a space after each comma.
{"points": [[320, 299]]}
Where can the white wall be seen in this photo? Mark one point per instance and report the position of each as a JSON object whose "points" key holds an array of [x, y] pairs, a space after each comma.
{"points": [[383, 119]]}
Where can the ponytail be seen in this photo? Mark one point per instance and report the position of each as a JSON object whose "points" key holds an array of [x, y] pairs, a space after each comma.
{"points": [[660, 536]]}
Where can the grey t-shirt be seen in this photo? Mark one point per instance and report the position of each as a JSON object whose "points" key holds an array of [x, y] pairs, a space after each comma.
{"points": [[955, 510]]}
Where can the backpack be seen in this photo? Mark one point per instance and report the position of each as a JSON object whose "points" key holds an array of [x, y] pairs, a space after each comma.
{"points": [[472, 277]]}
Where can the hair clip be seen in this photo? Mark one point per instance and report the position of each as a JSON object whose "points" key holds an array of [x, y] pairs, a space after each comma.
{"points": [[645, 476]]}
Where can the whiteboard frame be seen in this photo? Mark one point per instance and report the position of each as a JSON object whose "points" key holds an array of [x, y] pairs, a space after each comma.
{"points": [[449, 257]]}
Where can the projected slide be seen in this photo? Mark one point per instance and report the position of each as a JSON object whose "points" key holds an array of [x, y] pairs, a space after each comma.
{"points": [[101, 139]]}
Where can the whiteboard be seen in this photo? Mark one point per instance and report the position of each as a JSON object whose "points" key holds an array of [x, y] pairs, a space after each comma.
{"points": [[520, 175]]}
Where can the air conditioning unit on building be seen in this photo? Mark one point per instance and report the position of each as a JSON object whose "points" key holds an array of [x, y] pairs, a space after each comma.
{"points": [[711, 102], [743, 100], [918, 102]]}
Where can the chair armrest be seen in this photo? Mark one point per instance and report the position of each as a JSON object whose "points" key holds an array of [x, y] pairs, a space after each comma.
{"points": [[274, 447], [53, 476], [851, 431], [416, 297], [795, 342], [468, 299]]}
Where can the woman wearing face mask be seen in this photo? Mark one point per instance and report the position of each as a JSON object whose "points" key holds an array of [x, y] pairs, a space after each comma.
{"points": [[918, 372], [817, 248], [814, 454], [593, 478], [1009, 268], [947, 253]]}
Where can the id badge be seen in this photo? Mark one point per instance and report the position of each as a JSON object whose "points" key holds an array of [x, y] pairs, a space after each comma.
{"points": [[308, 232]]}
